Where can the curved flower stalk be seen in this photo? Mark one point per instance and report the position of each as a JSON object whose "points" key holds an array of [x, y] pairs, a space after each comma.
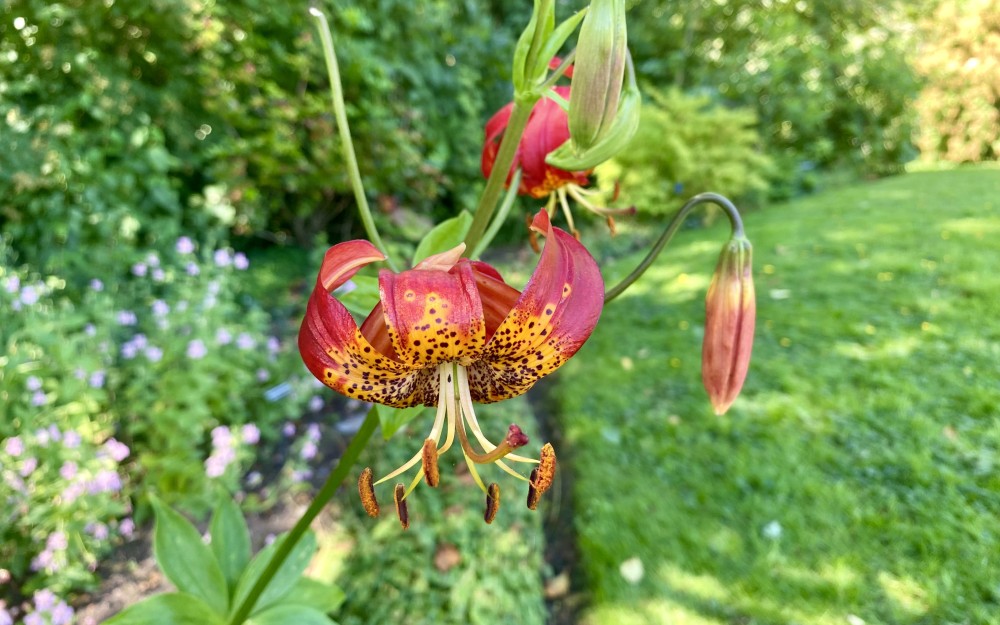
{"points": [[547, 129], [448, 333]]}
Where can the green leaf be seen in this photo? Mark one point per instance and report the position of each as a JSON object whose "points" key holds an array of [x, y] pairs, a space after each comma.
{"points": [[315, 594], [230, 540], [284, 579], [443, 236], [186, 561], [391, 419], [362, 298], [290, 615], [176, 608]]}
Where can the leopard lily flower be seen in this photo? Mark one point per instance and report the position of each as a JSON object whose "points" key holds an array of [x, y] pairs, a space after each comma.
{"points": [[447, 334], [547, 129]]}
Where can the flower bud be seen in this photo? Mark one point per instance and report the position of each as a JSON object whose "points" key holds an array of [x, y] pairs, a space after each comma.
{"points": [[600, 69], [730, 314]]}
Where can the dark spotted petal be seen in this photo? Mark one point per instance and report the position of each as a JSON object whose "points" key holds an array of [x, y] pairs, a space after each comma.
{"points": [[551, 320]]}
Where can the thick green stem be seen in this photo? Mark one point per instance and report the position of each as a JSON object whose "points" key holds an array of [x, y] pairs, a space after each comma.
{"points": [[501, 215], [501, 167], [346, 144], [734, 221], [333, 482]]}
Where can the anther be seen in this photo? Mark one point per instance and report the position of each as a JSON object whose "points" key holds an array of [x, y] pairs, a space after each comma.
{"points": [[492, 502], [429, 459], [367, 492], [542, 476], [401, 511]]}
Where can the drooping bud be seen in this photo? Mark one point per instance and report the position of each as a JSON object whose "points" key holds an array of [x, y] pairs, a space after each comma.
{"points": [[429, 460], [492, 503], [730, 316], [367, 492], [600, 68], [399, 494]]}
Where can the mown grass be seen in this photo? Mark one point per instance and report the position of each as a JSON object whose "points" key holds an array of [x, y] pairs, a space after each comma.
{"points": [[857, 478]]}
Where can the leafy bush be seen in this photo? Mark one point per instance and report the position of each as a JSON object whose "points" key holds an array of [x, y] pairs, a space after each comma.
{"points": [[684, 146], [960, 105]]}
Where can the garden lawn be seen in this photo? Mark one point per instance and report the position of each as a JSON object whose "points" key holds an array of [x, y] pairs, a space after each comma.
{"points": [[856, 480]]}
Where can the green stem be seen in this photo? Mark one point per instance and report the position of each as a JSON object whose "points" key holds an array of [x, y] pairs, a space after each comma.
{"points": [[501, 215], [333, 482], [346, 144], [501, 167], [734, 221]]}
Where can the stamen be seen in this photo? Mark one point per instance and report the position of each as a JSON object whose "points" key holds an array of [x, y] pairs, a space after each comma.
{"points": [[492, 503], [469, 412], [533, 494], [578, 194], [430, 463], [404, 515], [542, 476], [561, 192], [515, 438], [475, 474], [367, 492]]}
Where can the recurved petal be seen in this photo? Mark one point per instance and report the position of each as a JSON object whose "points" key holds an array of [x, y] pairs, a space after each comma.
{"points": [[335, 351], [552, 318], [433, 316]]}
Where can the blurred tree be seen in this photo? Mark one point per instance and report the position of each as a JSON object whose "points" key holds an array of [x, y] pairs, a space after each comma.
{"points": [[960, 105]]}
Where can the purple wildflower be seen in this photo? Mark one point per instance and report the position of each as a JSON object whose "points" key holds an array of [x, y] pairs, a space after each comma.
{"points": [[97, 530], [160, 308], [96, 285], [154, 353], [127, 527], [254, 479], [33, 383], [42, 561], [159, 275], [140, 270], [196, 349], [245, 341], [221, 436], [240, 261], [222, 258], [185, 245], [29, 466], [192, 269], [14, 446], [5, 617], [62, 614], [29, 295], [35, 618], [44, 600], [13, 284], [116, 449], [152, 259], [215, 466], [129, 350], [288, 429], [263, 375], [315, 403], [71, 440], [250, 434], [68, 470], [309, 450], [273, 344], [97, 379], [105, 481], [223, 336], [38, 398], [127, 318], [42, 437], [72, 492], [56, 541], [55, 433]]}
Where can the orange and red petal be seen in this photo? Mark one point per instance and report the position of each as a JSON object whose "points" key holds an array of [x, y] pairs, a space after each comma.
{"points": [[553, 317], [433, 316]]}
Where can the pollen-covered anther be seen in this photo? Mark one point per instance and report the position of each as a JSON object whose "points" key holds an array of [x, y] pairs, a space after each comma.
{"points": [[404, 515], [367, 492], [429, 460], [542, 476], [492, 503]]}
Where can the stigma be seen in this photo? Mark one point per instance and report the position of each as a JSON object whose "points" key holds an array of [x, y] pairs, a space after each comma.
{"points": [[455, 418]]}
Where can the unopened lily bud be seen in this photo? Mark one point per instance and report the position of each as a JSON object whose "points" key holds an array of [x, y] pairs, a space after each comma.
{"points": [[614, 135], [730, 315], [600, 69]]}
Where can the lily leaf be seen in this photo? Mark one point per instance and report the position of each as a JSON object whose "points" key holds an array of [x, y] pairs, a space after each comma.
{"points": [[187, 561], [315, 594], [391, 419], [443, 236], [361, 297], [230, 539], [284, 579], [290, 615], [176, 608]]}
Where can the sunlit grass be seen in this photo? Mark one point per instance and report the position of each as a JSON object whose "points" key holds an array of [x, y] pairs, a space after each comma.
{"points": [[857, 478]]}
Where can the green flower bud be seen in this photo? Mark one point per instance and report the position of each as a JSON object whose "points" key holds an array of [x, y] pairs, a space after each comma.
{"points": [[599, 72], [730, 316]]}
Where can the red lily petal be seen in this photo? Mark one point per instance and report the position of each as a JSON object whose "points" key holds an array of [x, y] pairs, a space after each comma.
{"points": [[433, 316], [336, 352], [552, 318]]}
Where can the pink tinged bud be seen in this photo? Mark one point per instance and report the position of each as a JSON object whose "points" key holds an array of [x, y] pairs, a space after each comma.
{"points": [[730, 315]]}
